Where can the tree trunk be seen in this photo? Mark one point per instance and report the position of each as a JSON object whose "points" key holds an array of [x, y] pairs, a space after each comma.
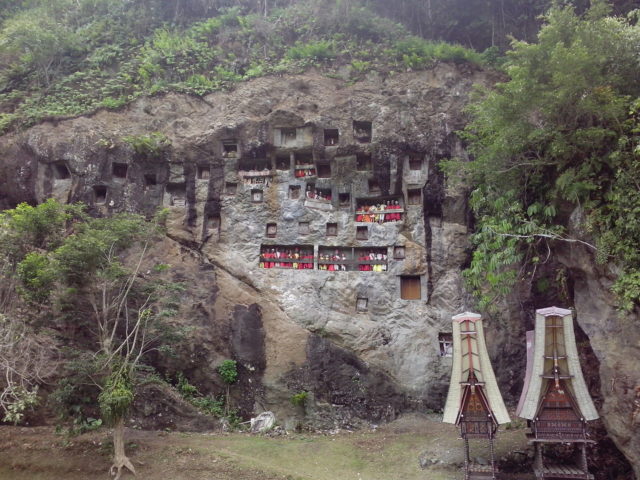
{"points": [[120, 459]]}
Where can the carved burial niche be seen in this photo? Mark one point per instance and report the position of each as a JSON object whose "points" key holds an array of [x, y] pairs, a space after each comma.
{"points": [[304, 166], [303, 228], [332, 229], [374, 187], [204, 172], [415, 162], [230, 188], [410, 287], [414, 196], [344, 199], [324, 169], [177, 194], [213, 223], [361, 304], [288, 137], [294, 192], [61, 171], [362, 233], [230, 148], [362, 131], [100, 194], [398, 252], [363, 162], [150, 179], [256, 196], [445, 343], [272, 230], [331, 137], [283, 161], [119, 170]]}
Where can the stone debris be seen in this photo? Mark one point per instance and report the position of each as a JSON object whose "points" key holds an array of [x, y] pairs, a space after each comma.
{"points": [[263, 422]]}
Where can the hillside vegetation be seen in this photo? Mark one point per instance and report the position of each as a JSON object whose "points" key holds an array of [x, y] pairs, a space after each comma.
{"points": [[68, 57]]}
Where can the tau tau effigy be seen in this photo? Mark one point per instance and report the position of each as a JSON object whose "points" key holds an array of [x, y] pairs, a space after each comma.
{"points": [[555, 399], [474, 402]]}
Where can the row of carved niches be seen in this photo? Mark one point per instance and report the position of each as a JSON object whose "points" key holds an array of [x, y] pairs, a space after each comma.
{"points": [[379, 210], [298, 257], [333, 259], [295, 137]]}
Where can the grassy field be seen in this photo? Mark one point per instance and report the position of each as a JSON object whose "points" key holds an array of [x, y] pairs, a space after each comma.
{"points": [[387, 453]]}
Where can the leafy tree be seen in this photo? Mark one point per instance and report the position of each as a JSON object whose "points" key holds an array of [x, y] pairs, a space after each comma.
{"points": [[562, 132], [228, 371]]}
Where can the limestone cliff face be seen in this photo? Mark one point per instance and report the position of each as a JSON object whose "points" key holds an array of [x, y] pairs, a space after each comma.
{"points": [[235, 180]]}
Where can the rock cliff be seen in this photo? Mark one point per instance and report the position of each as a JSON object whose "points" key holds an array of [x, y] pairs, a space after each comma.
{"points": [[284, 168]]}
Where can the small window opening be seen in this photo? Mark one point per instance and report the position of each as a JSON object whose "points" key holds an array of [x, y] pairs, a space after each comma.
{"points": [[318, 193], [415, 163], [150, 179], [304, 165], [272, 230], [363, 162], [119, 170], [410, 287], [256, 196], [361, 304], [177, 194], [303, 228], [331, 137], [100, 194], [414, 196], [61, 171], [213, 222], [362, 233], [362, 131], [324, 170], [288, 136], [398, 252], [446, 344], [229, 148], [344, 199], [283, 162], [203, 172], [231, 188], [332, 229], [374, 187], [294, 192]]}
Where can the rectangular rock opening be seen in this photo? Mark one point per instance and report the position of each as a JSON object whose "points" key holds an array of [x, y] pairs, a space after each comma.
{"points": [[100, 194], [398, 252], [230, 188], [256, 196], [362, 131], [379, 210], [304, 165], [272, 230], [204, 171], [288, 137], [324, 170], [230, 148], [255, 171], [344, 200], [363, 162], [361, 304], [374, 187], [445, 341], [213, 222], [414, 196], [119, 170], [415, 162], [283, 161], [362, 233], [61, 171], [331, 137], [410, 287], [335, 259], [150, 179], [292, 257], [177, 194], [294, 192], [303, 228], [332, 229], [371, 259]]}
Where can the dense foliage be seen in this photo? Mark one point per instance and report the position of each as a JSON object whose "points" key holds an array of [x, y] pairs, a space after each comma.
{"points": [[557, 145], [67, 57]]}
